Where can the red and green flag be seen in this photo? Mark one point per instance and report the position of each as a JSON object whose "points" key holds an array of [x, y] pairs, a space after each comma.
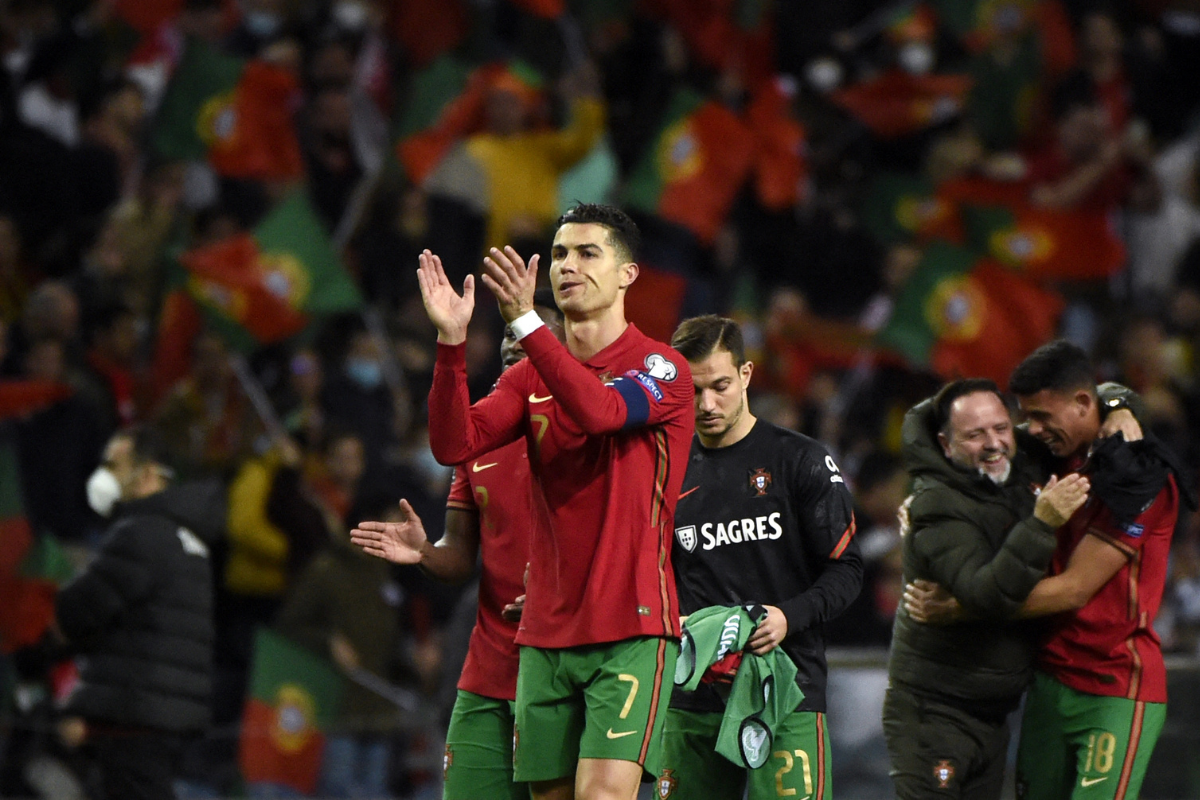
{"points": [[249, 131], [294, 696], [898, 103], [203, 75], [31, 567], [902, 208], [1044, 243], [236, 114], [963, 316], [695, 165], [267, 285], [447, 103]]}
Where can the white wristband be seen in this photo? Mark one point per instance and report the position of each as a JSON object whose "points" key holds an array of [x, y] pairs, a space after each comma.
{"points": [[525, 324]]}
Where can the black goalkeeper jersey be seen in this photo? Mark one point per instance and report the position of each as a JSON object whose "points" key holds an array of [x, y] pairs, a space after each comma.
{"points": [[768, 520]]}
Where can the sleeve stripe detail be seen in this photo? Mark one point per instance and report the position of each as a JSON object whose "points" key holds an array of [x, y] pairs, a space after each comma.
{"points": [[637, 405], [461, 505], [1117, 543], [844, 542]]}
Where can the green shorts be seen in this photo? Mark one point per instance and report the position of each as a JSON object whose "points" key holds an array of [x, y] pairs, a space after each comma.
{"points": [[799, 765], [1084, 746], [478, 761], [599, 701]]}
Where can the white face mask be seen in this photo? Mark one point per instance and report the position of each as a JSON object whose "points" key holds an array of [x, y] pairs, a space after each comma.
{"points": [[103, 491]]}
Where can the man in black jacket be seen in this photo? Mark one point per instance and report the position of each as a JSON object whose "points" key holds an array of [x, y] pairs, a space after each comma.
{"points": [[141, 617]]}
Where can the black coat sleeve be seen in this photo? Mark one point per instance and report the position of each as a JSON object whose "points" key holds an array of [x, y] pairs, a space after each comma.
{"points": [[122, 575]]}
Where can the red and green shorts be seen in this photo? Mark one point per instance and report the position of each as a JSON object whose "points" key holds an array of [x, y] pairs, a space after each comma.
{"points": [[1084, 746]]}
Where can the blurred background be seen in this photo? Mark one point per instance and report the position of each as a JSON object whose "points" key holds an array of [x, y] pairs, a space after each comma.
{"points": [[210, 212]]}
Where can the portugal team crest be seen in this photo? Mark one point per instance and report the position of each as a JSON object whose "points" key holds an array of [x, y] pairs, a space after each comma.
{"points": [[760, 481], [944, 772], [666, 784]]}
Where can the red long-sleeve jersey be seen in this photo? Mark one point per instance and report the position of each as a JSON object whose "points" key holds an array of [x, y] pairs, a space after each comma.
{"points": [[608, 443], [1109, 647], [499, 487]]}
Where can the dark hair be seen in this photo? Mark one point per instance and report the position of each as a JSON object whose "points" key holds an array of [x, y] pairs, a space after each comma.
{"points": [[146, 446], [698, 337], [1059, 366], [623, 233], [944, 399]]}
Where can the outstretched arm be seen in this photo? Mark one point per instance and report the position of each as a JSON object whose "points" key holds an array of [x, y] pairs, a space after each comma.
{"points": [[451, 560]]}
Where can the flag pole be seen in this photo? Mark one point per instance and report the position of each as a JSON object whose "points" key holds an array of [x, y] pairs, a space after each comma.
{"points": [[257, 395]]}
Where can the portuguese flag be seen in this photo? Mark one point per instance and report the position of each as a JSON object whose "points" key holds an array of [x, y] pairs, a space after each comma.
{"points": [[899, 104], [203, 74], [695, 165], [238, 115], [900, 208], [447, 103], [266, 286], [294, 696], [1045, 243], [31, 568], [962, 316]]}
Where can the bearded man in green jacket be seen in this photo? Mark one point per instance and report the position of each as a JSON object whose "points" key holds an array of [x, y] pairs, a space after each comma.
{"points": [[981, 523]]}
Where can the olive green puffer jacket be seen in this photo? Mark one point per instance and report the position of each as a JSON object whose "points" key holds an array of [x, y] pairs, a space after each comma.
{"points": [[981, 542]]}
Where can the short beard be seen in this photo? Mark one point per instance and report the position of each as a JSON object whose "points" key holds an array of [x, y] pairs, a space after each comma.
{"points": [[999, 480]]}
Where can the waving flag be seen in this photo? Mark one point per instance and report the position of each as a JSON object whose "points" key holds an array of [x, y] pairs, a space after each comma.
{"points": [[266, 286], [899, 104], [962, 316], [294, 696], [1045, 243], [695, 166], [238, 115]]}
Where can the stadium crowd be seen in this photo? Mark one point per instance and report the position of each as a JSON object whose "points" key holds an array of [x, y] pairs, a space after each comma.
{"points": [[210, 219]]}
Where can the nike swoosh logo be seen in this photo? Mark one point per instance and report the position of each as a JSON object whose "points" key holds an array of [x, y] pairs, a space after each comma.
{"points": [[481, 467], [620, 735], [689, 491], [1086, 782], [533, 398]]}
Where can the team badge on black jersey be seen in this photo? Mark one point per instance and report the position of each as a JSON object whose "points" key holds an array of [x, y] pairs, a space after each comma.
{"points": [[760, 481]]}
